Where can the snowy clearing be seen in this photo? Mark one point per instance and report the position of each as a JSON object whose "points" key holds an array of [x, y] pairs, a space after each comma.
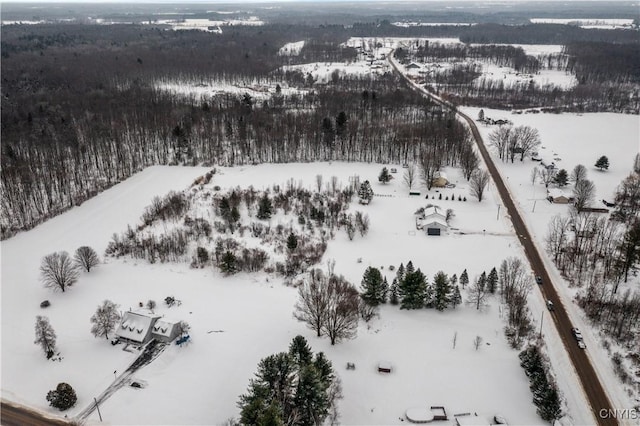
{"points": [[291, 49], [200, 384]]}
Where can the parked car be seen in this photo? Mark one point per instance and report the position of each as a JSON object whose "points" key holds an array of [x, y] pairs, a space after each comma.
{"points": [[577, 334], [538, 280], [581, 344], [550, 305]]}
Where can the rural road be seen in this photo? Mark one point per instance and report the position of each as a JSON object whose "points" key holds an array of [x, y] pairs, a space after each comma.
{"points": [[593, 389], [13, 415]]}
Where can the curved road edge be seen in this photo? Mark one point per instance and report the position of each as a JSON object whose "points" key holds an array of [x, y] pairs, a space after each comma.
{"points": [[591, 385], [13, 414]]}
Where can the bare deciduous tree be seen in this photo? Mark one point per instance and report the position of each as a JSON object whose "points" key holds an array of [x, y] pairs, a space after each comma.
{"points": [[527, 139], [469, 160], [534, 175], [319, 183], [557, 237], [477, 294], [45, 336], [579, 173], [57, 271], [312, 301], [429, 165], [500, 139], [583, 192], [341, 315], [410, 175], [478, 183], [86, 258], [477, 342], [105, 319], [547, 175]]}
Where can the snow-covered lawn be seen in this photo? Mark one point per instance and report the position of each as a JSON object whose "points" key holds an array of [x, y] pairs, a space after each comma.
{"points": [[238, 320], [569, 140]]}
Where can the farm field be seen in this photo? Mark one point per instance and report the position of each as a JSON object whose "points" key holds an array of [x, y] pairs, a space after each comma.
{"points": [[238, 320]]}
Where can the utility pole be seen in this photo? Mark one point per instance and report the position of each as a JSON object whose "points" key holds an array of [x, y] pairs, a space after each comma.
{"points": [[498, 215], [534, 206], [541, 319], [98, 408]]}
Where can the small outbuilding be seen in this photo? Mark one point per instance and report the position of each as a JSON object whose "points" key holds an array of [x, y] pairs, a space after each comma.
{"points": [[384, 367], [440, 180]]}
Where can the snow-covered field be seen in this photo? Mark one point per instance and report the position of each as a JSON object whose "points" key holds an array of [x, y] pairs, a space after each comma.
{"points": [[569, 140], [237, 321], [291, 49], [203, 90], [601, 23]]}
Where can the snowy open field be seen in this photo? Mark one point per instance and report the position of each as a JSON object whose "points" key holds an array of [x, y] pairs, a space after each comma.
{"points": [[237, 321], [601, 23], [572, 139]]}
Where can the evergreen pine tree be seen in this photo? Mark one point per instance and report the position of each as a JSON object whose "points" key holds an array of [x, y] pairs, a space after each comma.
{"points": [[400, 273], [454, 279], [482, 281], [228, 263], [442, 291], [311, 402], [265, 208], [372, 287], [292, 242], [63, 397], [393, 299], [492, 281], [300, 351], [602, 163], [456, 298], [550, 408], [384, 176], [409, 269], [385, 290], [464, 278], [561, 178], [365, 193], [412, 289]]}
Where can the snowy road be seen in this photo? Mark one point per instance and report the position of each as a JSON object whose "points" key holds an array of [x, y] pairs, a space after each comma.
{"points": [[594, 390]]}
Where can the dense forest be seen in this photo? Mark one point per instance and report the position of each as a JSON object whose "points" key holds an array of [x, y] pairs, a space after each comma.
{"points": [[81, 107]]}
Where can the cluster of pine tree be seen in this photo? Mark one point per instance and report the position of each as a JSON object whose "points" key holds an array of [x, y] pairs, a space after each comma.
{"points": [[293, 387], [412, 290], [545, 392]]}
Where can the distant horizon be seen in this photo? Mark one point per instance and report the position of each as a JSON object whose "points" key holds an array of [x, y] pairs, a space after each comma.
{"points": [[305, 1]]}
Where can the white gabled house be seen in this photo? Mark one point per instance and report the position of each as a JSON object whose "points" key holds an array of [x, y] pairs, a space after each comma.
{"points": [[433, 220], [136, 328], [165, 331]]}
